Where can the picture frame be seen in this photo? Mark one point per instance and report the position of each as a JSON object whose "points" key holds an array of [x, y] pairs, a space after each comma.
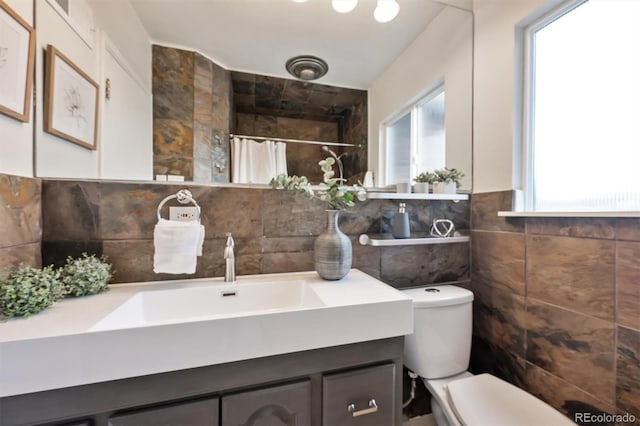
{"points": [[17, 60], [70, 101]]}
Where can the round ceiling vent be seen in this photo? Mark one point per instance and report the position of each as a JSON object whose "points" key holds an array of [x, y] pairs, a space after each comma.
{"points": [[307, 67]]}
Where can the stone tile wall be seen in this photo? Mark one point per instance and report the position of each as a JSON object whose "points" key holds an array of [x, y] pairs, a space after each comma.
{"points": [[20, 222], [557, 306], [274, 231], [192, 99], [173, 105]]}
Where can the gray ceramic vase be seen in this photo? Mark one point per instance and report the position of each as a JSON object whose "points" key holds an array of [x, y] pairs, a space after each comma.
{"points": [[332, 250]]}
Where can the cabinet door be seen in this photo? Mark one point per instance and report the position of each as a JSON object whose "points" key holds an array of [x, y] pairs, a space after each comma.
{"points": [[194, 413], [360, 397], [284, 405]]}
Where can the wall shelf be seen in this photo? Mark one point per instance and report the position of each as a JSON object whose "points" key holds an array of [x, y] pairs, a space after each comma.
{"points": [[415, 196], [387, 240]]}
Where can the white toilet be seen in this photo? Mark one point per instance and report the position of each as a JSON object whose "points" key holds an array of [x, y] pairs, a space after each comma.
{"points": [[439, 351]]}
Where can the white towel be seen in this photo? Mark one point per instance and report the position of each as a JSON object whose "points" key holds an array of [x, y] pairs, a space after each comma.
{"points": [[177, 245]]}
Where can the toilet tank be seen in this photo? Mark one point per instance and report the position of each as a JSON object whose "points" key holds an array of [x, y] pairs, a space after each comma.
{"points": [[440, 345]]}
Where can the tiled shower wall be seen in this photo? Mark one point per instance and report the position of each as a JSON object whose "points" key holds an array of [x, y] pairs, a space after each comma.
{"points": [[274, 231], [20, 222], [557, 306]]}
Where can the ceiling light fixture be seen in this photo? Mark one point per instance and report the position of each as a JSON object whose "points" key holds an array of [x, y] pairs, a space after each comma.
{"points": [[307, 67], [344, 6], [386, 10]]}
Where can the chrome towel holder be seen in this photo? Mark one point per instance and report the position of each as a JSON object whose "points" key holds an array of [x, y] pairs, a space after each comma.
{"points": [[184, 196]]}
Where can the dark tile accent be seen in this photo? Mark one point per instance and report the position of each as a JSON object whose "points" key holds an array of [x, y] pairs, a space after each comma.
{"points": [[366, 258], [487, 357], [411, 266], [628, 371], [574, 347], [563, 396], [628, 228], [484, 212], [287, 244], [289, 262], [575, 273], [230, 210], [56, 252], [20, 210], [498, 260], [603, 228], [132, 261], [498, 318], [627, 280], [10, 257], [288, 214], [70, 210], [128, 212]]}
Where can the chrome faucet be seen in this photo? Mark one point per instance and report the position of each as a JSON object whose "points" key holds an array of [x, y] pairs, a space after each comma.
{"points": [[229, 257]]}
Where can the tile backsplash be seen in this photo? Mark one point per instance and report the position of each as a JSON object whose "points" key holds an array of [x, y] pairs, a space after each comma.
{"points": [[274, 231], [20, 222]]}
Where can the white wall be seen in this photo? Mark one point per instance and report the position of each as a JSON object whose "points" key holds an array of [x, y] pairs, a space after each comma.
{"points": [[442, 52], [56, 157], [494, 92], [16, 137]]}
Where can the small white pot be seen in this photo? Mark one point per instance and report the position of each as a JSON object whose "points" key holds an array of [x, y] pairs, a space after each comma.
{"points": [[444, 188], [421, 188]]}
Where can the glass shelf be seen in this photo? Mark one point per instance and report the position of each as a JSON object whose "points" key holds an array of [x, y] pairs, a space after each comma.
{"points": [[387, 240], [415, 196]]}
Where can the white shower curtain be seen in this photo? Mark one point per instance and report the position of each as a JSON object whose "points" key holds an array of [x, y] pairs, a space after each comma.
{"points": [[257, 162]]}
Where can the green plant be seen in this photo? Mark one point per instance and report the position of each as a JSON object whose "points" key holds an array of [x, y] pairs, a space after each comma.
{"points": [[447, 175], [426, 177], [85, 275], [28, 290], [331, 191]]}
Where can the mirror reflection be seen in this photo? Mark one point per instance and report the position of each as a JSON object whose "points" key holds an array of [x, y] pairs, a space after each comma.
{"points": [[194, 116]]}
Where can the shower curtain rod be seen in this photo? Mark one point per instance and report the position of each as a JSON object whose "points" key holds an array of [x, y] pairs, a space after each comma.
{"points": [[231, 135]]}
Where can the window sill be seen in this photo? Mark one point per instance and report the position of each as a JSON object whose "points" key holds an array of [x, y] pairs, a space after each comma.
{"points": [[568, 214]]}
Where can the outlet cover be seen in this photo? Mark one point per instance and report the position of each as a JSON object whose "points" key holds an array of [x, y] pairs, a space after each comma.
{"points": [[183, 213]]}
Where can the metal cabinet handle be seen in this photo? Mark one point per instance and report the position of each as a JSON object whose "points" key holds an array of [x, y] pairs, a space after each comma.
{"points": [[373, 407]]}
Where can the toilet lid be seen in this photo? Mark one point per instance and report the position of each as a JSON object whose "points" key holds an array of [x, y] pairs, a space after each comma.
{"points": [[486, 400]]}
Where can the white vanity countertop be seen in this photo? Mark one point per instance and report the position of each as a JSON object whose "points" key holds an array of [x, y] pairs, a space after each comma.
{"points": [[69, 344]]}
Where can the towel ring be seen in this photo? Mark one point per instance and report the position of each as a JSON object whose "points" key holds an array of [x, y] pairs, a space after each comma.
{"points": [[183, 196]]}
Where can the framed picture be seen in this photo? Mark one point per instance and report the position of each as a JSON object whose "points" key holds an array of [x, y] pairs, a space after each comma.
{"points": [[17, 52], [70, 101]]}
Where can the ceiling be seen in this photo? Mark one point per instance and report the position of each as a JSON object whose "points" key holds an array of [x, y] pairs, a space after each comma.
{"points": [[258, 36]]}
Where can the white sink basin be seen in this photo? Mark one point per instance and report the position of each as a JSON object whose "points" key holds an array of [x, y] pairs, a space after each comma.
{"points": [[208, 302], [153, 327]]}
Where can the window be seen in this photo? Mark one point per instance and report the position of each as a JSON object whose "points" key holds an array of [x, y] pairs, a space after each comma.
{"points": [[415, 140], [582, 108]]}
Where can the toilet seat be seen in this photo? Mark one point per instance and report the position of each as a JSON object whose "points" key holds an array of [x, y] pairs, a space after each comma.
{"points": [[486, 400]]}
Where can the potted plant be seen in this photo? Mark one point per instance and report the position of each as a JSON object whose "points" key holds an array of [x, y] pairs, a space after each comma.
{"points": [[28, 290], [422, 182], [85, 275], [332, 249], [447, 181]]}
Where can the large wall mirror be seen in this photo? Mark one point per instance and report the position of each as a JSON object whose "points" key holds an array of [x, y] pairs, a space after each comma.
{"points": [[180, 80]]}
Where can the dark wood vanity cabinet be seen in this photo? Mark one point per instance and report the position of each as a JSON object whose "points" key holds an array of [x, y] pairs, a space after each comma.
{"points": [[356, 384], [363, 396], [193, 413], [284, 405]]}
